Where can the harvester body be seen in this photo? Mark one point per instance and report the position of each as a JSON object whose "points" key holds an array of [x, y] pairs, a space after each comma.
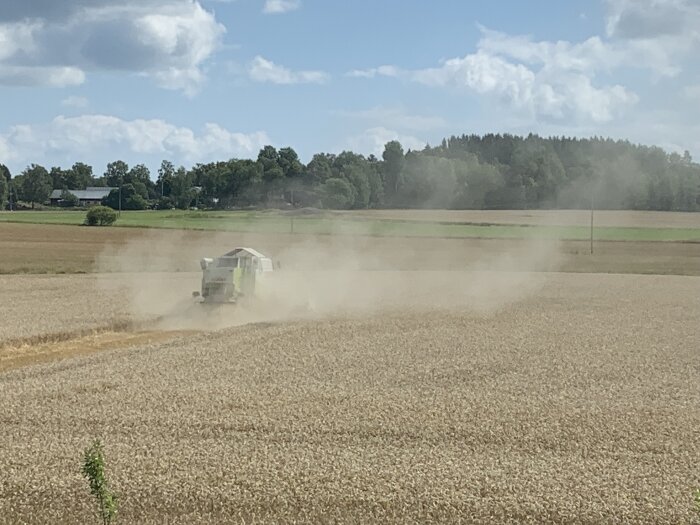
{"points": [[233, 276]]}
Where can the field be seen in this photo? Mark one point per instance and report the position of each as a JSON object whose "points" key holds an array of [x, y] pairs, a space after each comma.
{"points": [[562, 225], [37, 248], [387, 379]]}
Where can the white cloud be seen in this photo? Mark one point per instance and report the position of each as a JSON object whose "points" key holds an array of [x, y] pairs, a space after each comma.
{"points": [[554, 91], [17, 37], [86, 135], [588, 56], [385, 71], [263, 70], [542, 80], [655, 34], [280, 6], [56, 44], [75, 102], [374, 139], [484, 73]]}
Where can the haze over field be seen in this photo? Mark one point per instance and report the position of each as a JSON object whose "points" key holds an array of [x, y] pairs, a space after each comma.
{"points": [[322, 277]]}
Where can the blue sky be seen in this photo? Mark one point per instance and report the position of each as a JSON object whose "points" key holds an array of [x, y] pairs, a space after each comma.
{"points": [[196, 81]]}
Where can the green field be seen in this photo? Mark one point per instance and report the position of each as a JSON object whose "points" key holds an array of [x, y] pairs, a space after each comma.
{"points": [[280, 222]]}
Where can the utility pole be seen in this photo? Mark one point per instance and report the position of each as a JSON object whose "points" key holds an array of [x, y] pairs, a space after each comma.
{"points": [[592, 208], [120, 195], [9, 185]]}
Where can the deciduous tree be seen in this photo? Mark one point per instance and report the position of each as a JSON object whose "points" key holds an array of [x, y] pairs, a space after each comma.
{"points": [[34, 185]]}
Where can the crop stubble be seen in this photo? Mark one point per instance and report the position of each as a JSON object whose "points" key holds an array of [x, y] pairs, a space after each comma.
{"points": [[576, 404], [610, 218], [38, 248]]}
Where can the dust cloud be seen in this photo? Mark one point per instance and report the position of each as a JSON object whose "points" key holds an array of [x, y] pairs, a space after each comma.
{"points": [[322, 276]]}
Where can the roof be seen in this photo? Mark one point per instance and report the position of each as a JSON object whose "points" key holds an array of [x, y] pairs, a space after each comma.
{"points": [[237, 251], [90, 194]]}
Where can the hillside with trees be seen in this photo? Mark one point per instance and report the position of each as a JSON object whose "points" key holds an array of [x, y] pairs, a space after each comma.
{"points": [[492, 171]]}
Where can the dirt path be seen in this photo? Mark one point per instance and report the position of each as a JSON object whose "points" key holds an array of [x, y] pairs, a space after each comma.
{"points": [[32, 351]]}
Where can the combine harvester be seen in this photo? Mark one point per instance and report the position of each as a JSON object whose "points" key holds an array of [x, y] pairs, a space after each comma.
{"points": [[232, 278]]}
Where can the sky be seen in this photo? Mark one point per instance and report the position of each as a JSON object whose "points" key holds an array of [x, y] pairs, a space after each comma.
{"points": [[204, 80]]}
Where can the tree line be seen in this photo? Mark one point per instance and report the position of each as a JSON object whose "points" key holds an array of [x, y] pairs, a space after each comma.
{"points": [[493, 171]]}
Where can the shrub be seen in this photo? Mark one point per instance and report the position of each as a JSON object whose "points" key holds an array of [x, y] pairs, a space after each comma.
{"points": [[164, 203], [100, 216]]}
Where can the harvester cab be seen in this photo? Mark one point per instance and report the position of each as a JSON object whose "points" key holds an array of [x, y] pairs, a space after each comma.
{"points": [[233, 276]]}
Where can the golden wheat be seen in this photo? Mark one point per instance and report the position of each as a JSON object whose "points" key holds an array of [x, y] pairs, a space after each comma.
{"points": [[578, 404], [52, 305]]}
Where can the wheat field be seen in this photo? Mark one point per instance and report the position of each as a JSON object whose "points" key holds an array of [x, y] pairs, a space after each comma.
{"points": [[574, 400]]}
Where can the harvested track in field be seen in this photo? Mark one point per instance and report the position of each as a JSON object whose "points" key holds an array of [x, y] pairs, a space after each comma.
{"points": [[42, 349]]}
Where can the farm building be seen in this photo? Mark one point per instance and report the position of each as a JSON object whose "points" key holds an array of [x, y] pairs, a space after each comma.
{"points": [[90, 196]]}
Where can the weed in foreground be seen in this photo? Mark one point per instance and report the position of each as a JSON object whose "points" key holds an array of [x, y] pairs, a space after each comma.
{"points": [[94, 470]]}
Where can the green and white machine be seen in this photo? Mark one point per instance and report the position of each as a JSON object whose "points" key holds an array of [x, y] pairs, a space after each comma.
{"points": [[233, 276]]}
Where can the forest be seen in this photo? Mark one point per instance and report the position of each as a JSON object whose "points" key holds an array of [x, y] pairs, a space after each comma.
{"points": [[493, 171]]}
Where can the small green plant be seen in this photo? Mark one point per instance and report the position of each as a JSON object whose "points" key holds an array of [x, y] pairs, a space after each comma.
{"points": [[697, 500], [100, 216], [94, 470]]}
